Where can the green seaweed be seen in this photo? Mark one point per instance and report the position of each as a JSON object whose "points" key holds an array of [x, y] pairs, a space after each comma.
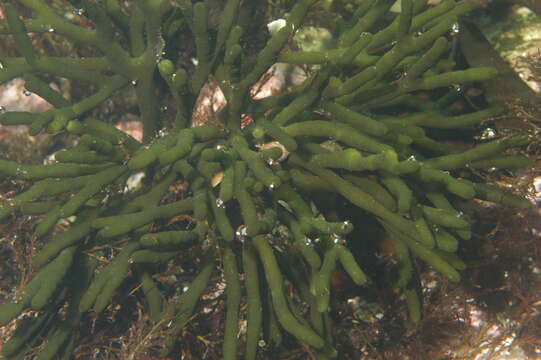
{"points": [[263, 166]]}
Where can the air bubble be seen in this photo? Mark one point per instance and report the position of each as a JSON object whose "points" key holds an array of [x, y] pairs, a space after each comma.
{"points": [[51, 30], [1, 66], [337, 239], [488, 133], [242, 231], [220, 203], [307, 241], [20, 171], [134, 82], [161, 133], [79, 11], [2, 110], [272, 186], [221, 147], [457, 88], [411, 158], [163, 108], [271, 161], [455, 29], [27, 92]]}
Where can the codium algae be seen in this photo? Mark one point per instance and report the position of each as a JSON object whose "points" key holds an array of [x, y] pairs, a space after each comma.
{"points": [[250, 174]]}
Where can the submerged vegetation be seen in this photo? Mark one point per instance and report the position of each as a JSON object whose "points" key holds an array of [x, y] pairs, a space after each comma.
{"points": [[271, 192]]}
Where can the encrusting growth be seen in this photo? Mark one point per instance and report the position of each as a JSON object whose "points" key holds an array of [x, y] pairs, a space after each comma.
{"points": [[351, 131]]}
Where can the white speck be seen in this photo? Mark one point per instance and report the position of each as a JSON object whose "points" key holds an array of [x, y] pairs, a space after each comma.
{"points": [[161, 133], [134, 182], [242, 231], [276, 25], [411, 158], [272, 186], [134, 82], [488, 133], [308, 241], [220, 203], [455, 29], [20, 171], [2, 110], [337, 239], [79, 11], [27, 92]]}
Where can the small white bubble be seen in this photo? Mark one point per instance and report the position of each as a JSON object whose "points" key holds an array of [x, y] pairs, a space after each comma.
{"points": [[337, 239], [272, 186], [307, 241], [261, 343], [271, 161], [27, 92], [242, 231], [79, 11], [411, 158], [1, 66], [455, 29], [134, 82], [488, 133], [163, 108], [2, 110], [51, 30], [185, 288], [220, 203], [221, 147], [20, 171]]}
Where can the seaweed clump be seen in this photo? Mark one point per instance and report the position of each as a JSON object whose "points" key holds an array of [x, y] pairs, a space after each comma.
{"points": [[257, 182]]}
